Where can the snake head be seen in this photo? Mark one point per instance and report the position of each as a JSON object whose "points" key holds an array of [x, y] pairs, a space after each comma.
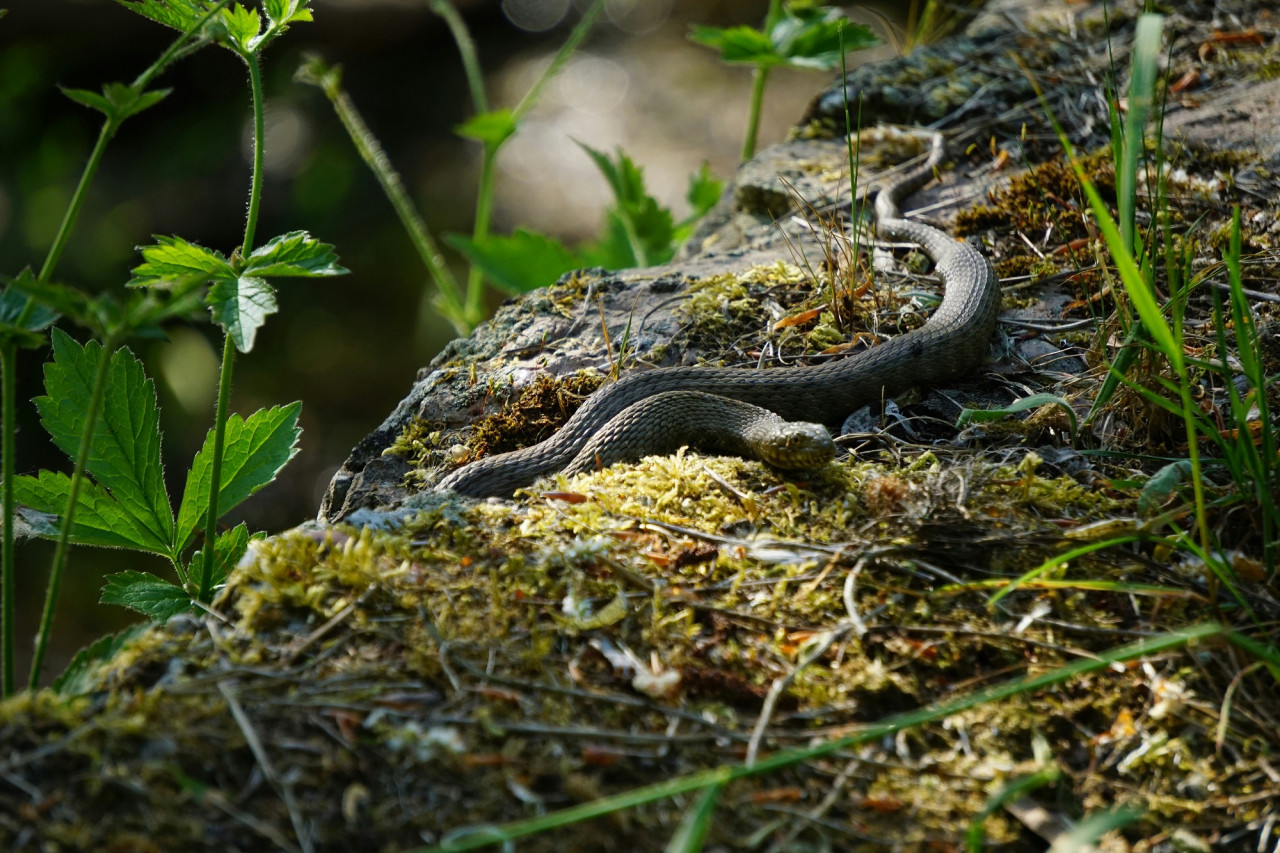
{"points": [[798, 445]]}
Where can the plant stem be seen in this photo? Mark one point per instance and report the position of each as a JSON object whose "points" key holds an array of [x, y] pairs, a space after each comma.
{"points": [[176, 50], [215, 474], [467, 52], [758, 78], [474, 310], [108, 130], [228, 343], [68, 520], [8, 358], [255, 186], [448, 290]]}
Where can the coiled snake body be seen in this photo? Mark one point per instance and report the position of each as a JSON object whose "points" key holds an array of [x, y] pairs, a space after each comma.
{"points": [[951, 343]]}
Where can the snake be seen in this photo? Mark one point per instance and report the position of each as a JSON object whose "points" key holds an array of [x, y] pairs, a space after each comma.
{"points": [[735, 409]]}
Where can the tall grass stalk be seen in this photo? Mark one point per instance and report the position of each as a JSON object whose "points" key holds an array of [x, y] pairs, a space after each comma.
{"points": [[448, 291]]}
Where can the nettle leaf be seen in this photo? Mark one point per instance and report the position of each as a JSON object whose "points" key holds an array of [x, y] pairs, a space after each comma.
{"points": [[75, 679], [639, 231], [294, 254], [737, 44], [173, 260], [118, 101], [255, 451], [520, 262], [227, 551], [282, 12], [492, 128], [801, 37], [240, 306], [100, 520], [25, 331], [243, 26], [92, 100], [704, 191], [124, 455], [147, 594], [179, 14]]}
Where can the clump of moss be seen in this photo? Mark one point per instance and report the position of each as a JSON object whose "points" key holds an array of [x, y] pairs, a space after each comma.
{"points": [[541, 408], [1047, 196]]}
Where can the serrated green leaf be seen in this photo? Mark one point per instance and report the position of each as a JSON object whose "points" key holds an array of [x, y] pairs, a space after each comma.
{"points": [[144, 592], [179, 14], [738, 44], [242, 25], [172, 260], [255, 452], [100, 520], [492, 128], [228, 550], [294, 254], [799, 37], [25, 331], [124, 455], [92, 100], [75, 679], [639, 230], [124, 100], [614, 249], [704, 191], [240, 306], [520, 262], [284, 12]]}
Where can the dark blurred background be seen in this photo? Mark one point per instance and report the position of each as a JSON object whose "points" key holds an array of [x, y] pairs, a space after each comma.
{"points": [[347, 347]]}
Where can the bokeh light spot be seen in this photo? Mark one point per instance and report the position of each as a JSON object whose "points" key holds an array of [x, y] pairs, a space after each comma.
{"points": [[535, 15]]}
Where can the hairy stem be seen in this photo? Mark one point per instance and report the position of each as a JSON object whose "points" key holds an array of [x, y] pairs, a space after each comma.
{"points": [[255, 186], [758, 78], [480, 232], [447, 287], [215, 474]]}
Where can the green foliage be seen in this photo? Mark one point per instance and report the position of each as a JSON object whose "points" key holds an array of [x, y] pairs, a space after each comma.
{"points": [[100, 408], [638, 232], [117, 101], [129, 500], [178, 14], [491, 128], [257, 448], [794, 35], [691, 835], [519, 262], [237, 27], [125, 505], [228, 550], [23, 322], [144, 592], [239, 297], [1031, 401], [75, 678]]}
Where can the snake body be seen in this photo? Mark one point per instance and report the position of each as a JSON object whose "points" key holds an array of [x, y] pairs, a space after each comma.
{"points": [[951, 343]]}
